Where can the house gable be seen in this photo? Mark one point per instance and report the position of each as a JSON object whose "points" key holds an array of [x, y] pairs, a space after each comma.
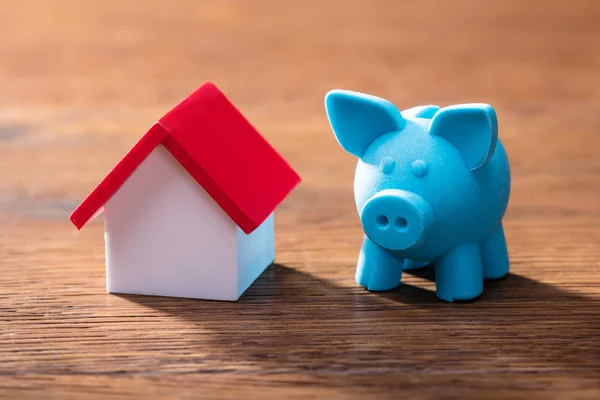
{"points": [[166, 236]]}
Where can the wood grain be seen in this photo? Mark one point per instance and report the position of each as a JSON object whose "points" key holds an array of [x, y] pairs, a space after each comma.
{"points": [[82, 80]]}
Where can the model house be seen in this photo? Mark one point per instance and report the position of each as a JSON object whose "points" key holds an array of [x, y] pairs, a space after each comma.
{"points": [[188, 212]]}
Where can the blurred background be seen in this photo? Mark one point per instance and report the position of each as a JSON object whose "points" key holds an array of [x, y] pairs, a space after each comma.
{"points": [[77, 76]]}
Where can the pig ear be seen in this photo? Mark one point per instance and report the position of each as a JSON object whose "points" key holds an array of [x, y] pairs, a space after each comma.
{"points": [[471, 128], [358, 119], [421, 112]]}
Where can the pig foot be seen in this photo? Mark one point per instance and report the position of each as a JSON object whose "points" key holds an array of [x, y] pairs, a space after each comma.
{"points": [[411, 264], [495, 256], [377, 269], [459, 273]]}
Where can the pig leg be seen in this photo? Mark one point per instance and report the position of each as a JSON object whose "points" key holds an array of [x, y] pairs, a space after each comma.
{"points": [[377, 269], [459, 273], [495, 255]]}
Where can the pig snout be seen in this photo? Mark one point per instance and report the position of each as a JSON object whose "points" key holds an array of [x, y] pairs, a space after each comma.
{"points": [[396, 219]]}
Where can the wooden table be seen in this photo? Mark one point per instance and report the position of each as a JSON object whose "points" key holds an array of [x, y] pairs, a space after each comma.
{"points": [[80, 81]]}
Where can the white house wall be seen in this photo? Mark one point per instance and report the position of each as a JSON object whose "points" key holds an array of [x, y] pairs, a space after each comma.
{"points": [[255, 252], [166, 236]]}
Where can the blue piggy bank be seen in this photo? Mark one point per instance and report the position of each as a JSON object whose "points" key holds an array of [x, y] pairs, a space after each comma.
{"points": [[431, 186]]}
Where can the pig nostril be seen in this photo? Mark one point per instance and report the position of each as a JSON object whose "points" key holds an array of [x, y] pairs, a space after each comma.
{"points": [[382, 221], [401, 223]]}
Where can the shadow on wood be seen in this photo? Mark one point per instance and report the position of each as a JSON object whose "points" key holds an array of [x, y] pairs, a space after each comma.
{"points": [[292, 320]]}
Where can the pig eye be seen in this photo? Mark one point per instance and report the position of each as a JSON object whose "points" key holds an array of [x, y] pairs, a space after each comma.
{"points": [[387, 165], [419, 168]]}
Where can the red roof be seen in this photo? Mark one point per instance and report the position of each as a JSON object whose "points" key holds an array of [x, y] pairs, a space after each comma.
{"points": [[224, 153]]}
